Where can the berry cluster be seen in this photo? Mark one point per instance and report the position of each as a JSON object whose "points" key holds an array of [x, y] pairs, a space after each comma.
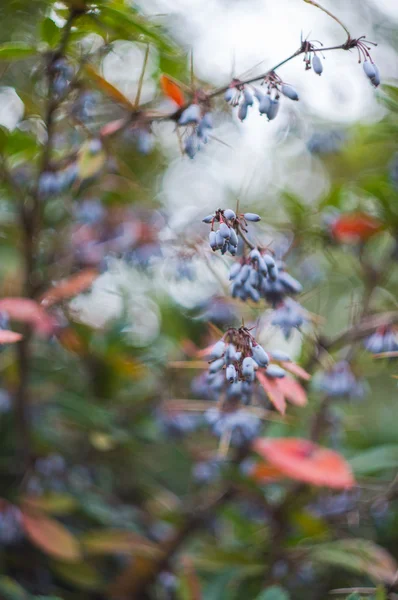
{"points": [[268, 103], [340, 381], [289, 315], [199, 122], [384, 339], [249, 276], [225, 238]]}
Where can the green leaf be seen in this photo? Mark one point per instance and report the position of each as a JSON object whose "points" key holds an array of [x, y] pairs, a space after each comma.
{"points": [[16, 51], [358, 555], [375, 459], [54, 503], [11, 590], [81, 575], [275, 592], [49, 32]]}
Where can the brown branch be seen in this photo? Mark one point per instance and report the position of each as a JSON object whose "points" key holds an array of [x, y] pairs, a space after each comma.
{"points": [[30, 215]]}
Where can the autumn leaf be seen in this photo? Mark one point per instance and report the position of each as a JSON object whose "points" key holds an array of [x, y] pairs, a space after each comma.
{"points": [[354, 227], [68, 288], [9, 337], [28, 311], [293, 391], [305, 461], [263, 473], [50, 536], [273, 391], [106, 87], [172, 90], [295, 370]]}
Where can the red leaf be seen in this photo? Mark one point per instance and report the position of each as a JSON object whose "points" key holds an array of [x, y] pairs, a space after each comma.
{"points": [[273, 391], [296, 370], [305, 461], [172, 90], [263, 473], [28, 311], [354, 227], [9, 337], [50, 536], [293, 391], [67, 288]]}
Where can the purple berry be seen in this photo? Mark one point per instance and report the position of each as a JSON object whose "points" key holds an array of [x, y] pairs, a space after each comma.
{"points": [[190, 115], [289, 92], [260, 355], [317, 64], [252, 217], [369, 69]]}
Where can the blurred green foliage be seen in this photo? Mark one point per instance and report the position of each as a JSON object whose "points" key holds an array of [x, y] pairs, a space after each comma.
{"points": [[107, 479]]}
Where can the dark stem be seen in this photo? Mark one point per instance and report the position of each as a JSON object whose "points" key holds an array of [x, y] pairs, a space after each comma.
{"points": [[29, 215]]}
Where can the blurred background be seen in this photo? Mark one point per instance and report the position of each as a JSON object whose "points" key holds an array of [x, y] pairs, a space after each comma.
{"points": [[114, 449]]}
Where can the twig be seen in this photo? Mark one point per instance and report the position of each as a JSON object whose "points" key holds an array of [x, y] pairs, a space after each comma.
{"points": [[330, 15], [29, 215]]}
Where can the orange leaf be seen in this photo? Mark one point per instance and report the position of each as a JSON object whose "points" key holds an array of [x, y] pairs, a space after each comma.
{"points": [[28, 311], [9, 337], [296, 370], [354, 227], [107, 87], [293, 391], [273, 391], [172, 90], [305, 461], [67, 288], [50, 536], [263, 473]]}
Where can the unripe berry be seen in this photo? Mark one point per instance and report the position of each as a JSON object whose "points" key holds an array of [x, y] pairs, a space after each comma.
{"points": [[230, 373], [317, 64], [216, 366], [190, 115], [233, 237], [273, 110], [242, 113], [260, 355], [225, 231], [289, 92], [208, 219], [230, 94], [213, 240], [229, 214], [279, 355], [218, 349], [248, 97], [275, 371], [369, 69], [219, 239], [234, 270], [248, 368], [265, 104], [252, 217]]}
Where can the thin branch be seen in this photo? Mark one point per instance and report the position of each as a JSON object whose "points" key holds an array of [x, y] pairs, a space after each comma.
{"points": [[29, 214], [330, 15], [141, 80]]}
